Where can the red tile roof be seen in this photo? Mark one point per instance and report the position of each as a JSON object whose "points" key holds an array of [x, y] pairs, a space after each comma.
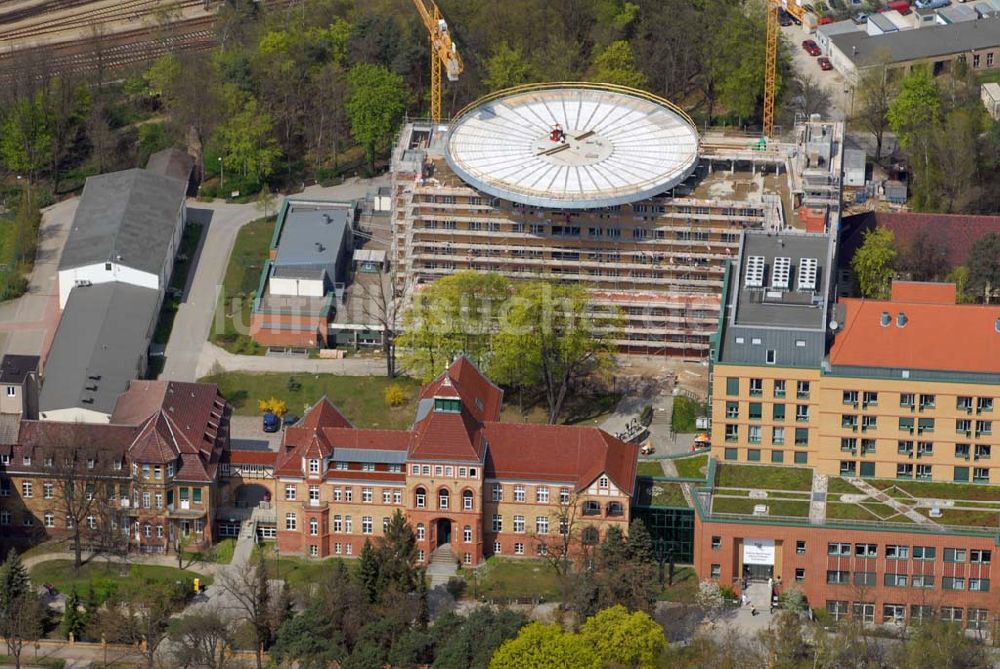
{"points": [[955, 233], [46, 435], [928, 341], [242, 457], [564, 453], [376, 440], [197, 410], [925, 292], [323, 414]]}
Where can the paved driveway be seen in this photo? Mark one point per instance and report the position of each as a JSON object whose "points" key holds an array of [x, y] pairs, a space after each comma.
{"points": [[29, 322], [195, 314]]}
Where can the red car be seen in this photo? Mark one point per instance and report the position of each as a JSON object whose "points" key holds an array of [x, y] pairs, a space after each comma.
{"points": [[824, 63], [811, 47]]}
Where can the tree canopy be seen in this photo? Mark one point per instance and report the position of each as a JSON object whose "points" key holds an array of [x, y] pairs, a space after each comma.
{"points": [[873, 263], [375, 106]]}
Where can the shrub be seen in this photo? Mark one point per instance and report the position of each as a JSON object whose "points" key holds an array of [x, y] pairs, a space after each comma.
{"points": [[394, 395], [455, 587]]}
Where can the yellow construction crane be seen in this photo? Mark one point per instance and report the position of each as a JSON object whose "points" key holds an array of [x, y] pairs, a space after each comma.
{"points": [[774, 7], [443, 52]]}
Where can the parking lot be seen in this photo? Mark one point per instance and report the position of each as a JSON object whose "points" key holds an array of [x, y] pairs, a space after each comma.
{"points": [[831, 81]]}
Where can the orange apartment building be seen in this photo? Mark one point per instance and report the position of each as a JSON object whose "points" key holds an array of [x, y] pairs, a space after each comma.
{"points": [[466, 482], [896, 395]]}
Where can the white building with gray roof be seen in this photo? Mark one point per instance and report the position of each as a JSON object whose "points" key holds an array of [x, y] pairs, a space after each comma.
{"points": [[100, 346], [127, 228]]}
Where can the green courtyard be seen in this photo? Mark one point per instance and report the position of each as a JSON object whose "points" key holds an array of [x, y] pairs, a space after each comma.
{"points": [[109, 579]]}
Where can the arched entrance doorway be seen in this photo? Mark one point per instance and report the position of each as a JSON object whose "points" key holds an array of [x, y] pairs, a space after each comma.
{"points": [[442, 529]]}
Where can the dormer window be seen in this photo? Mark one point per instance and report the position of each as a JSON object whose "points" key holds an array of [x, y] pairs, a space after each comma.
{"points": [[314, 466], [602, 482], [170, 470], [447, 405]]}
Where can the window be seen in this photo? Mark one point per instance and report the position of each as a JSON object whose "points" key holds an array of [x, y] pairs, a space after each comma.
{"points": [[145, 500], [497, 522], [954, 554], [438, 470], [925, 449], [802, 413], [754, 434], [291, 521], [542, 495], [770, 356], [730, 454], [314, 495], [983, 451], [869, 423], [870, 399], [922, 581], [801, 458], [732, 433], [925, 425], [778, 411], [420, 498], [732, 386], [11, 391], [519, 493], [497, 492], [425, 470], [893, 614], [778, 436], [984, 404], [924, 552], [397, 496], [366, 495], [864, 611], [716, 543], [314, 466], [906, 424], [953, 583], [367, 526], [755, 411], [980, 475], [802, 390], [848, 468], [518, 548], [801, 436], [777, 456], [313, 527], [979, 585], [839, 550], [756, 387], [919, 612], [977, 556], [836, 609], [467, 500], [442, 499], [497, 548], [542, 524], [348, 524], [906, 400], [564, 495], [26, 489], [904, 471], [289, 492], [338, 525], [349, 548], [895, 580], [47, 489], [519, 524], [753, 454], [905, 447], [984, 427], [924, 472], [603, 482], [962, 451], [864, 578], [415, 469], [849, 444], [732, 409], [835, 577], [716, 571], [850, 397], [895, 552], [927, 401], [978, 619], [866, 550], [849, 421], [779, 388]]}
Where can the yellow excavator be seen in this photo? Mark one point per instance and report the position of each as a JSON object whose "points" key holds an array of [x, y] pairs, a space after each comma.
{"points": [[444, 55]]}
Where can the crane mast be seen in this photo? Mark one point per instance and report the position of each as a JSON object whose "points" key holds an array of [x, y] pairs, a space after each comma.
{"points": [[770, 67], [444, 54]]}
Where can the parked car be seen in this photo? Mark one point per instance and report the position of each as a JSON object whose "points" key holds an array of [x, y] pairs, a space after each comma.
{"points": [[271, 422], [811, 47], [824, 63], [823, 20], [932, 4], [861, 17], [901, 6], [289, 420], [784, 18], [857, 3]]}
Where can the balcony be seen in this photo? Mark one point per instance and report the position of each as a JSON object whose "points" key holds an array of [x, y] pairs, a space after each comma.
{"points": [[315, 505]]}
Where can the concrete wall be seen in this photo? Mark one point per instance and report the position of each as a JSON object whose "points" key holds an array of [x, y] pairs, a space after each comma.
{"points": [[97, 273], [77, 415]]}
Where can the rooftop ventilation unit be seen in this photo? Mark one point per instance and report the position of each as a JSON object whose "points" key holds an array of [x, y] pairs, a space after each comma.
{"points": [[754, 272], [886, 319], [807, 273], [901, 320], [781, 273]]}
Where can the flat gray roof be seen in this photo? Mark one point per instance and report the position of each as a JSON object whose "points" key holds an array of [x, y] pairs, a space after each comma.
{"points": [[854, 158], [794, 306], [830, 29], [13, 367], [311, 240], [99, 346], [929, 42], [131, 214]]}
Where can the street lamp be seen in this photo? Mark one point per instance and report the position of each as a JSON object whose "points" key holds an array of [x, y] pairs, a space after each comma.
{"points": [[222, 177]]}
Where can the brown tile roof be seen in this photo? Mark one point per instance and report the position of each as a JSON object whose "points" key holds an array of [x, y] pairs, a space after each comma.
{"points": [[377, 440], [563, 453], [928, 341], [323, 414], [48, 435], [197, 410], [463, 379], [243, 457]]}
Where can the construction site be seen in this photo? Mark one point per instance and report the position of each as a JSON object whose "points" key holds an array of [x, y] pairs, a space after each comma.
{"points": [[606, 186]]}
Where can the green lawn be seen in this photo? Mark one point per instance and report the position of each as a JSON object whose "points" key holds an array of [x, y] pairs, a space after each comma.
{"points": [[28, 660], [692, 468], [685, 587], [504, 578], [866, 511], [686, 410], [297, 571], [837, 485], [762, 477], [178, 279], [776, 507], [108, 579], [359, 397], [941, 490], [969, 518], [653, 468], [220, 553], [582, 408], [242, 278]]}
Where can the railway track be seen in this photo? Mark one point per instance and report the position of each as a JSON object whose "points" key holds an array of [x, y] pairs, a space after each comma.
{"points": [[125, 10]]}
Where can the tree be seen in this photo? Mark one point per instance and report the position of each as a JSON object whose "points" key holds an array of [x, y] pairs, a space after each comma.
{"points": [[74, 621], [805, 96], [251, 590], [375, 106], [613, 575], [709, 598], [542, 646], [984, 266], [624, 639], [368, 571], [149, 617], [874, 263], [550, 337], [785, 641], [469, 642], [914, 116], [925, 258], [455, 315], [201, 641], [616, 65], [20, 611], [383, 307], [245, 136], [396, 555], [277, 407], [874, 91], [26, 140], [937, 644], [953, 145], [507, 66]]}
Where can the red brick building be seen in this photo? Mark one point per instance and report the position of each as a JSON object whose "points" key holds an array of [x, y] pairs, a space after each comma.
{"points": [[468, 483]]}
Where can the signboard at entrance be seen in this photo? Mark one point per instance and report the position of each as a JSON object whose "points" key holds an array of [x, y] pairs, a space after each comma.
{"points": [[758, 551]]}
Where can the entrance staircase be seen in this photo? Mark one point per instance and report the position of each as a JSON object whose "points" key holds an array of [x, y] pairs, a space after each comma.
{"points": [[443, 565]]}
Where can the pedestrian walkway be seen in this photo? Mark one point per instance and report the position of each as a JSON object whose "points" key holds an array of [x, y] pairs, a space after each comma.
{"points": [[161, 559], [213, 357], [443, 566], [898, 506], [817, 498]]}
